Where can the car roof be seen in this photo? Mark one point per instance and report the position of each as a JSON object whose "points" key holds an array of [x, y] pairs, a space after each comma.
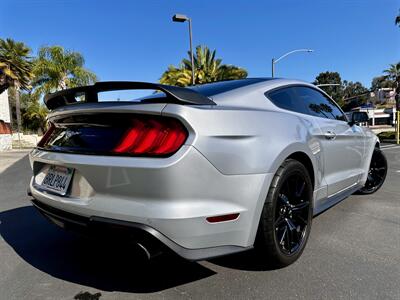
{"points": [[235, 92], [219, 87]]}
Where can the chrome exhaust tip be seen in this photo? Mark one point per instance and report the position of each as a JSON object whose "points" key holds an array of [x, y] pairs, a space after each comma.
{"points": [[150, 251]]}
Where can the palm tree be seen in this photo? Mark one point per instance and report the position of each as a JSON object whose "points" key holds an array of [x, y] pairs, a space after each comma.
{"points": [[207, 69], [57, 69], [15, 70], [36, 116], [393, 73], [6, 77]]}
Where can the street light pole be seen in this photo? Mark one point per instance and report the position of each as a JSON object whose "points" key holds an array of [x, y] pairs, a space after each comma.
{"points": [[274, 61], [191, 50], [273, 68], [182, 18]]}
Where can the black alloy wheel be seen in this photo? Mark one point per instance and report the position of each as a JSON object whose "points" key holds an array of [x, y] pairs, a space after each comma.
{"points": [[376, 173], [291, 214], [286, 218]]}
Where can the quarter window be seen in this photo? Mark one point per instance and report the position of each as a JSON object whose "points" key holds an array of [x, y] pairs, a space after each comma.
{"points": [[306, 100], [286, 98]]}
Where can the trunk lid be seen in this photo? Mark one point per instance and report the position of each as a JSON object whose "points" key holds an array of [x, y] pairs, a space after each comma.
{"points": [[99, 128]]}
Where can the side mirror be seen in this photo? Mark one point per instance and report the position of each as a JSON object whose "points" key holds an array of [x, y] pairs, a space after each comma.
{"points": [[358, 117]]}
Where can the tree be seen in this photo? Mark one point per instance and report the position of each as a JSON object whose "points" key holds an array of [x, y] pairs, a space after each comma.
{"points": [[35, 115], [207, 69], [57, 69], [381, 82], [393, 73], [6, 77], [355, 90], [336, 92], [16, 70], [354, 95]]}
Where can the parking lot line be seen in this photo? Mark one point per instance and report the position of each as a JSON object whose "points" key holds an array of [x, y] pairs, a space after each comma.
{"points": [[390, 147]]}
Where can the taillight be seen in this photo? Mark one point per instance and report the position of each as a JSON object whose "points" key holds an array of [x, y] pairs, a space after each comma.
{"points": [[46, 136], [152, 136]]}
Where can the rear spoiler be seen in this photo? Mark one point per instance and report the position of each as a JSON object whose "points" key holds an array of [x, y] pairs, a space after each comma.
{"points": [[174, 94]]}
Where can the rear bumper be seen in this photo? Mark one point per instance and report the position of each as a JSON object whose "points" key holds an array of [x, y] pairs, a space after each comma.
{"points": [[168, 198], [135, 231]]}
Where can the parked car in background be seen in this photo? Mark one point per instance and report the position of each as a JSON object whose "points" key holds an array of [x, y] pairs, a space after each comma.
{"points": [[208, 170], [349, 116], [377, 116]]}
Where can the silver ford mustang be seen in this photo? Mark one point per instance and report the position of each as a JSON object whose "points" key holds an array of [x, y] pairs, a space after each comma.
{"points": [[205, 171]]}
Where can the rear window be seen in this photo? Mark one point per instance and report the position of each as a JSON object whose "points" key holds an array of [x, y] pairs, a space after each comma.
{"points": [[129, 95], [211, 89]]}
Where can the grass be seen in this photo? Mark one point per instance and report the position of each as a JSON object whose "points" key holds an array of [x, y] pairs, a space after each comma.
{"points": [[387, 135]]}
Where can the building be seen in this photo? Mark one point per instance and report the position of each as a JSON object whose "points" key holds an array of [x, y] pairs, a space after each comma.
{"points": [[5, 127], [384, 96]]}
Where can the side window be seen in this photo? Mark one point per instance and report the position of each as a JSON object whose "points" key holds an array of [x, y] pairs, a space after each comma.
{"points": [[286, 98], [318, 104]]}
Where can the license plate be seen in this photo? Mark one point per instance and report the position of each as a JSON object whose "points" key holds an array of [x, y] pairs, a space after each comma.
{"points": [[57, 179]]}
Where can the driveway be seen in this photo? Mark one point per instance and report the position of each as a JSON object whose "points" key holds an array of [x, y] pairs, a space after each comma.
{"points": [[353, 252]]}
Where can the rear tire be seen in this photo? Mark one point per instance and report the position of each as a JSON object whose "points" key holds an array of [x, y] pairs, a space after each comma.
{"points": [[286, 218], [376, 173]]}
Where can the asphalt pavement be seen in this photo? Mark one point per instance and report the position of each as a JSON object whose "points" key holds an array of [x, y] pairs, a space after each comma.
{"points": [[353, 253]]}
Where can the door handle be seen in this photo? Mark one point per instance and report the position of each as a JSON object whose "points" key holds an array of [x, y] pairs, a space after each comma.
{"points": [[330, 135]]}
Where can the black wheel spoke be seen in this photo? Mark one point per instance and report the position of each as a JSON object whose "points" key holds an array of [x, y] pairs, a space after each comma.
{"points": [[294, 235], [282, 239], [300, 206], [380, 169], [288, 239], [290, 224], [300, 218]]}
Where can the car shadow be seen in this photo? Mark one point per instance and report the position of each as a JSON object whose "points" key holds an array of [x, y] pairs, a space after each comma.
{"points": [[95, 264], [250, 260], [100, 265]]}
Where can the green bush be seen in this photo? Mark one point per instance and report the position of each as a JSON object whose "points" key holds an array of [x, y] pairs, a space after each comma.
{"points": [[387, 135]]}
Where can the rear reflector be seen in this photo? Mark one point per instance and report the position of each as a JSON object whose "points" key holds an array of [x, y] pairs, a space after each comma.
{"points": [[153, 137], [222, 218]]}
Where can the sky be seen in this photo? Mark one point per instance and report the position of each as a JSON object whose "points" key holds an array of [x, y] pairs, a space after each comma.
{"points": [[137, 40]]}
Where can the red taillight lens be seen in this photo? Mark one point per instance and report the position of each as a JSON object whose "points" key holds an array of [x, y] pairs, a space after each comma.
{"points": [[46, 136], [152, 136]]}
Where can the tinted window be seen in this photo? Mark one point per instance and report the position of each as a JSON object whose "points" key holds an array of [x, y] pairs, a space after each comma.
{"points": [[211, 89], [286, 98], [306, 100], [318, 104]]}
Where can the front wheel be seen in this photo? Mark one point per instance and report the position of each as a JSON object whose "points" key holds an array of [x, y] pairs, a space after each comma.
{"points": [[376, 173], [285, 222]]}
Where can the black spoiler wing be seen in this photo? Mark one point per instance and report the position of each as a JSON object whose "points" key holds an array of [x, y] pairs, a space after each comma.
{"points": [[174, 94]]}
